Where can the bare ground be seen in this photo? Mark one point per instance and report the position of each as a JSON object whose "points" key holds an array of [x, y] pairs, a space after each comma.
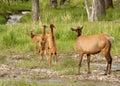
{"points": [[11, 72]]}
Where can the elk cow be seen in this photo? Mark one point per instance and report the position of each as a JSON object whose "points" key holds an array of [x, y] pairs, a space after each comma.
{"points": [[93, 44]]}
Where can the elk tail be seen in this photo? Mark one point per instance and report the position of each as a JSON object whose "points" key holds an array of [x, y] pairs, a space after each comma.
{"points": [[110, 38]]}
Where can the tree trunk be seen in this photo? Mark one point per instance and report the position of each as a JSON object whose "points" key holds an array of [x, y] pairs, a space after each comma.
{"points": [[94, 16], [109, 4], [92, 13], [53, 3], [88, 10], [101, 11], [35, 10], [8, 2], [24, 0], [98, 9], [62, 2]]}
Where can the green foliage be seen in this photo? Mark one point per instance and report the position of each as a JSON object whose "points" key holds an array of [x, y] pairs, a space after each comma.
{"points": [[10, 39], [3, 8], [16, 37], [2, 19], [111, 14], [63, 15], [14, 7]]}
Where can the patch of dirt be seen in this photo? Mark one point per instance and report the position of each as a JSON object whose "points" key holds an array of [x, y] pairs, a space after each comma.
{"points": [[17, 73], [7, 71]]}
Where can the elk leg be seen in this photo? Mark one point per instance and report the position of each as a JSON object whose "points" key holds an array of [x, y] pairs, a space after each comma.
{"points": [[41, 55], [35, 48], [50, 60], [81, 57], [46, 54], [88, 62], [109, 63], [56, 58]]}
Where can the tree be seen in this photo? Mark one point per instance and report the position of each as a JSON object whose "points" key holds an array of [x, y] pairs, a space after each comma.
{"points": [[35, 10], [62, 2], [109, 4], [101, 11], [24, 0], [98, 9], [53, 3]]}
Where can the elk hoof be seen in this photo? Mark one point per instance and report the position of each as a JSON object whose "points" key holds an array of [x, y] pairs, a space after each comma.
{"points": [[105, 73]]}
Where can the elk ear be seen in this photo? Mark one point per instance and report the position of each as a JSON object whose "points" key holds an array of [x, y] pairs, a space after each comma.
{"points": [[73, 29], [45, 26], [52, 26]]}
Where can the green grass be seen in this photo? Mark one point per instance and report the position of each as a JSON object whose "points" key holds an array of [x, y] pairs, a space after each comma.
{"points": [[15, 38], [2, 19], [65, 63]]}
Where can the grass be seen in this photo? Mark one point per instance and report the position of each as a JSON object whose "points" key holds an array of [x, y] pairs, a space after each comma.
{"points": [[65, 63], [14, 37]]}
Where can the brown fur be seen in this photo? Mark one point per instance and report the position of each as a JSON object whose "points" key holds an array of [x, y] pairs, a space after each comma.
{"points": [[93, 44], [43, 43], [52, 45], [36, 39]]}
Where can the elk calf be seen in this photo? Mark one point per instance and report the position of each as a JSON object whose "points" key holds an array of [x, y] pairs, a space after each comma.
{"points": [[43, 42], [52, 45], [93, 44], [36, 39]]}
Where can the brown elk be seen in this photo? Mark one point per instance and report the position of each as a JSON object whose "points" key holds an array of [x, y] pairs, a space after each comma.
{"points": [[36, 39], [93, 44], [52, 45], [43, 43]]}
